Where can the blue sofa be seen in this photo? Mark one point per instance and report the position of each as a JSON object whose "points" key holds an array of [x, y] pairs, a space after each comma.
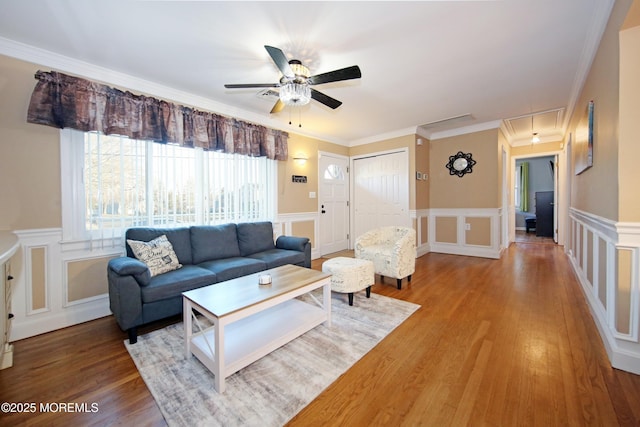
{"points": [[208, 254]]}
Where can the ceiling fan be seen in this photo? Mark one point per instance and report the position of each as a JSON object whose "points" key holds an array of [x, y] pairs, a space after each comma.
{"points": [[296, 81]]}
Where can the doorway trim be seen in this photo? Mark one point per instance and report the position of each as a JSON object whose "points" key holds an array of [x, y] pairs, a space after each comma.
{"points": [[561, 200], [347, 159]]}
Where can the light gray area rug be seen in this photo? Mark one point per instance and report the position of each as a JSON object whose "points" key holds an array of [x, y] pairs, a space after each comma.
{"points": [[272, 390]]}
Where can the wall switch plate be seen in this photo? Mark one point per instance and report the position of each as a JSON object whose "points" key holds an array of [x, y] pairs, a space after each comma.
{"points": [[312, 194], [467, 226]]}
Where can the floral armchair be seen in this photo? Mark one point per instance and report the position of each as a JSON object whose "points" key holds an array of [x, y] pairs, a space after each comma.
{"points": [[392, 250]]}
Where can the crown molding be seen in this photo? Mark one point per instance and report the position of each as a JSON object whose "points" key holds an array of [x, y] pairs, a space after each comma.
{"points": [[384, 136], [598, 24]]}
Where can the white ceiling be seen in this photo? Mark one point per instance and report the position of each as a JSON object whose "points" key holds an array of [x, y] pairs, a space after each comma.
{"points": [[421, 62]]}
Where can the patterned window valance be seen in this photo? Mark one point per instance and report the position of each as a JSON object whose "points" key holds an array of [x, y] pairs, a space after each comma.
{"points": [[64, 101]]}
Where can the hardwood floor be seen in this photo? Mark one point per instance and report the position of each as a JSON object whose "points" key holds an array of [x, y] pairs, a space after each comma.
{"points": [[496, 343], [524, 237]]}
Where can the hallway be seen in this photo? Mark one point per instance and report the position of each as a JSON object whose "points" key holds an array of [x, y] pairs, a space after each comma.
{"points": [[524, 237]]}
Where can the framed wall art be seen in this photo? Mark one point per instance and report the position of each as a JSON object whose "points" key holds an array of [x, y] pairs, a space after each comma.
{"points": [[583, 144]]}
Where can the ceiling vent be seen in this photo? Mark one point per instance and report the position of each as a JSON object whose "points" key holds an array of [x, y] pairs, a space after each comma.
{"points": [[445, 123]]}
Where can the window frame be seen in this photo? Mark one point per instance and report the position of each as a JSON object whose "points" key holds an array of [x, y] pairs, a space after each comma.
{"points": [[73, 206]]}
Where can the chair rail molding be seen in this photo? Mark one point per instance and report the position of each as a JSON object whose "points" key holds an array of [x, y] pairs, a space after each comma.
{"points": [[283, 225], [40, 298], [493, 248], [418, 215], [605, 256]]}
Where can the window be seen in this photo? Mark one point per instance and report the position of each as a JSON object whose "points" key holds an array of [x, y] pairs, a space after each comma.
{"points": [[334, 171], [117, 183]]}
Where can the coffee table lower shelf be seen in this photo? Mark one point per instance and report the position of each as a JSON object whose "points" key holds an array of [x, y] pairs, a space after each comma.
{"points": [[251, 338]]}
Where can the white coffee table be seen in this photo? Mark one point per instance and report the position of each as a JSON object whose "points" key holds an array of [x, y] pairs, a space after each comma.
{"points": [[252, 320]]}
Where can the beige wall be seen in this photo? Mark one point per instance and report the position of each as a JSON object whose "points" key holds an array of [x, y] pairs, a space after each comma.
{"points": [[38, 278], [480, 189], [86, 278], [446, 230], [629, 143], [607, 192], [479, 232], [29, 155], [503, 145], [422, 166], [294, 197], [533, 149], [596, 189], [30, 160], [633, 16]]}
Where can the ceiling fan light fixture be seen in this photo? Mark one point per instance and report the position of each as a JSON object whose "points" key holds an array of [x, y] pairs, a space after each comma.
{"points": [[296, 81], [295, 94], [298, 69]]}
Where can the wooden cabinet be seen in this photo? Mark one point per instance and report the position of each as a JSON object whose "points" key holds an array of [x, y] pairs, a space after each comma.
{"points": [[8, 247]]}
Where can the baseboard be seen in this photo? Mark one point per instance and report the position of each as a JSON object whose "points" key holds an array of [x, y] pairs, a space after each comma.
{"points": [[46, 322], [619, 358], [6, 358], [452, 249]]}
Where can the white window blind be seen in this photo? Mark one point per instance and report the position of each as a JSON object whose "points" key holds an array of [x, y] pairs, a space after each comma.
{"points": [[119, 183]]}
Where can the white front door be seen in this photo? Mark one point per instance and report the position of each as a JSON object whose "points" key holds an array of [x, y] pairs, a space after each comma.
{"points": [[333, 200]]}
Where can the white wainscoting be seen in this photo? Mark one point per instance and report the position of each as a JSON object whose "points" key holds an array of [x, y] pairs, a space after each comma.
{"points": [[606, 258], [55, 312], [283, 225], [422, 244], [461, 247]]}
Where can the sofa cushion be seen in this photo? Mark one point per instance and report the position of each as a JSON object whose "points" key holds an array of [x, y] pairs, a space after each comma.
{"points": [[180, 239], [277, 257], [157, 254], [292, 243], [173, 283], [230, 268], [214, 242], [255, 237]]}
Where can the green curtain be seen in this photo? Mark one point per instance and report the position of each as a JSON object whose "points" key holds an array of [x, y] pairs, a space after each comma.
{"points": [[524, 186]]}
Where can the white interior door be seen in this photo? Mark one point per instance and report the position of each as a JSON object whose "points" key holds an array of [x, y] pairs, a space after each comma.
{"points": [[333, 203], [380, 191]]}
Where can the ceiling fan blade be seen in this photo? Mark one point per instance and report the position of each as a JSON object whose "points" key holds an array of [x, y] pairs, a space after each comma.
{"points": [[281, 61], [251, 85], [278, 106], [325, 99], [348, 73]]}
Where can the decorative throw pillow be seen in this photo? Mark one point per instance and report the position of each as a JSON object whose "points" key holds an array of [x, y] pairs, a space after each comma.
{"points": [[158, 254]]}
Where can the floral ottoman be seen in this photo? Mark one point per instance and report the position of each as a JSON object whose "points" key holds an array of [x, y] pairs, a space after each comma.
{"points": [[350, 275]]}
